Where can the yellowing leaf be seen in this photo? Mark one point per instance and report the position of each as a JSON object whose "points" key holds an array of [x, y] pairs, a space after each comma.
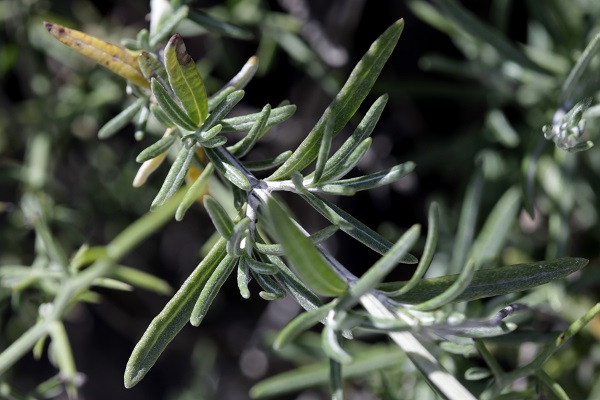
{"points": [[114, 58], [185, 80]]}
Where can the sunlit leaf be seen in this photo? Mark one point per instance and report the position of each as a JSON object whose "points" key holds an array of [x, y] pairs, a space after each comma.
{"points": [[116, 59], [185, 80]]}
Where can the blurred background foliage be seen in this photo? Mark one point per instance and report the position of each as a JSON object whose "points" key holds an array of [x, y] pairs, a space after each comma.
{"points": [[469, 117]]}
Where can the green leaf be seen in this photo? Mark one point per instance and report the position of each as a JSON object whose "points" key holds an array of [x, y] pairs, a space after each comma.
{"points": [[219, 217], [216, 141], [238, 234], [63, 356], [219, 27], [300, 324], [185, 80], [241, 148], [351, 225], [161, 116], [375, 274], [170, 107], [142, 279], [433, 220], [466, 224], [374, 359], [211, 133], [269, 163], [324, 149], [141, 123], [570, 84], [272, 289], [243, 277], [455, 290], [347, 102], [222, 109], [331, 346], [261, 267], [194, 192], [491, 282], [176, 314], [490, 241], [123, 118], [304, 296], [175, 177], [166, 25], [350, 162], [211, 289], [228, 170], [156, 149], [317, 237], [245, 122], [151, 67], [362, 131], [304, 256], [371, 181]]}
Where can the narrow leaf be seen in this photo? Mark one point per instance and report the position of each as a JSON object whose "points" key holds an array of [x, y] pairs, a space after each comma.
{"points": [[213, 142], [116, 59], [170, 107], [219, 217], [161, 116], [211, 289], [142, 280], [324, 149], [371, 181], [230, 172], [317, 237], [243, 277], [176, 314], [194, 192], [222, 109], [123, 118], [272, 289], [490, 241], [211, 133], [162, 30], [570, 84], [349, 163], [304, 296], [261, 267], [241, 148], [362, 131], [175, 177], [245, 122], [185, 80], [269, 163], [157, 148], [300, 324], [428, 252], [455, 290], [236, 245], [304, 256], [351, 225], [151, 67], [332, 347], [375, 274], [491, 282], [346, 102]]}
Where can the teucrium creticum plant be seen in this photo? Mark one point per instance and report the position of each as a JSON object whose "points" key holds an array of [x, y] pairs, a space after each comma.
{"points": [[266, 243]]}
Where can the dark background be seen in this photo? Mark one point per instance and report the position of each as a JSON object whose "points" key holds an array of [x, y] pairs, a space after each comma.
{"points": [[92, 179]]}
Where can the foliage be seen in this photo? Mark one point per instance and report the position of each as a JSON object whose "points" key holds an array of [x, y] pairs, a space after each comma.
{"points": [[437, 325]]}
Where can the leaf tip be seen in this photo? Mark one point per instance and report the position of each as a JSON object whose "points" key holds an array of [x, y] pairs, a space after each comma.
{"points": [[176, 41], [133, 376]]}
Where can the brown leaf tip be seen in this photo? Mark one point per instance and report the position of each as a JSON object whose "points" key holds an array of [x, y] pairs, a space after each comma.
{"points": [[183, 58], [48, 25]]}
